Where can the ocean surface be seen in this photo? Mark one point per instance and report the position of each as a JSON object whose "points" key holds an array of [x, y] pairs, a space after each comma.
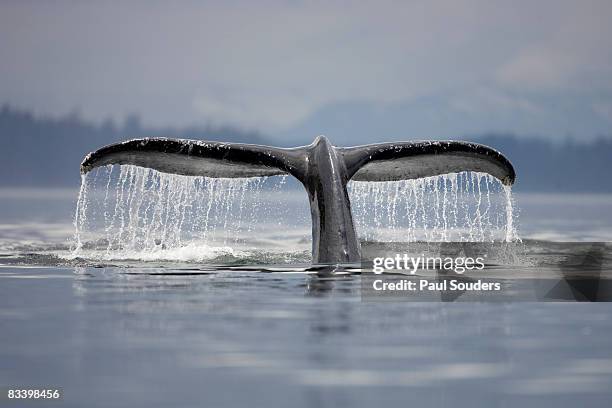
{"points": [[254, 325]]}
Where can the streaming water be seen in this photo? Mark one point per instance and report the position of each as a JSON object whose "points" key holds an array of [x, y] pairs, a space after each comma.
{"points": [[457, 207], [134, 212]]}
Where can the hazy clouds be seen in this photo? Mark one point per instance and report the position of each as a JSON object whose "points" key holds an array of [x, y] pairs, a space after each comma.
{"points": [[273, 65]]}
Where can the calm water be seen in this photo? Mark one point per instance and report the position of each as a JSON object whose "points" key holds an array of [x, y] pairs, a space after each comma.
{"points": [[183, 334]]}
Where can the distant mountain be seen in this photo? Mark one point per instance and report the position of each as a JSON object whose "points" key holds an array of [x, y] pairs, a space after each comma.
{"points": [[38, 151], [452, 115]]}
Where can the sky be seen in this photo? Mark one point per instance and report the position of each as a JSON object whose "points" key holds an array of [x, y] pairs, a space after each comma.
{"points": [[292, 68]]}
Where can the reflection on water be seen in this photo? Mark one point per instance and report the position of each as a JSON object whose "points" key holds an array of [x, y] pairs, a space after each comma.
{"points": [[243, 337]]}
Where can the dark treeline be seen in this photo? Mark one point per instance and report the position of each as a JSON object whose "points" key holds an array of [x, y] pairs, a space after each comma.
{"points": [[546, 166], [38, 151], [47, 152]]}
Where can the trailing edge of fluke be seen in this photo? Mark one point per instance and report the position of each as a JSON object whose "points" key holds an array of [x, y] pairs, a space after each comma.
{"points": [[322, 168]]}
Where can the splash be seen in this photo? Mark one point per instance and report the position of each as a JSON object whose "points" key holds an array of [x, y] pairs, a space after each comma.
{"points": [[139, 213], [456, 207]]}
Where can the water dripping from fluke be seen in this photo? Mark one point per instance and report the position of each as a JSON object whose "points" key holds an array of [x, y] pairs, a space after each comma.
{"points": [[136, 213], [456, 207]]}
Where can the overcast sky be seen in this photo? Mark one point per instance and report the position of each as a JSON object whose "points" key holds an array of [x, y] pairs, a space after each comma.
{"points": [[273, 65]]}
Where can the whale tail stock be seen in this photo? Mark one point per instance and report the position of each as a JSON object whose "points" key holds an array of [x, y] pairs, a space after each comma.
{"points": [[323, 169]]}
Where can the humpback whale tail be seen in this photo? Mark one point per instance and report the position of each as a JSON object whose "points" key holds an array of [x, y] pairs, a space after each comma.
{"points": [[322, 168]]}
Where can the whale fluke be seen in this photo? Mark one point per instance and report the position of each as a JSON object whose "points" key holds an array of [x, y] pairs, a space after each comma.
{"points": [[322, 168], [411, 160], [196, 158]]}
